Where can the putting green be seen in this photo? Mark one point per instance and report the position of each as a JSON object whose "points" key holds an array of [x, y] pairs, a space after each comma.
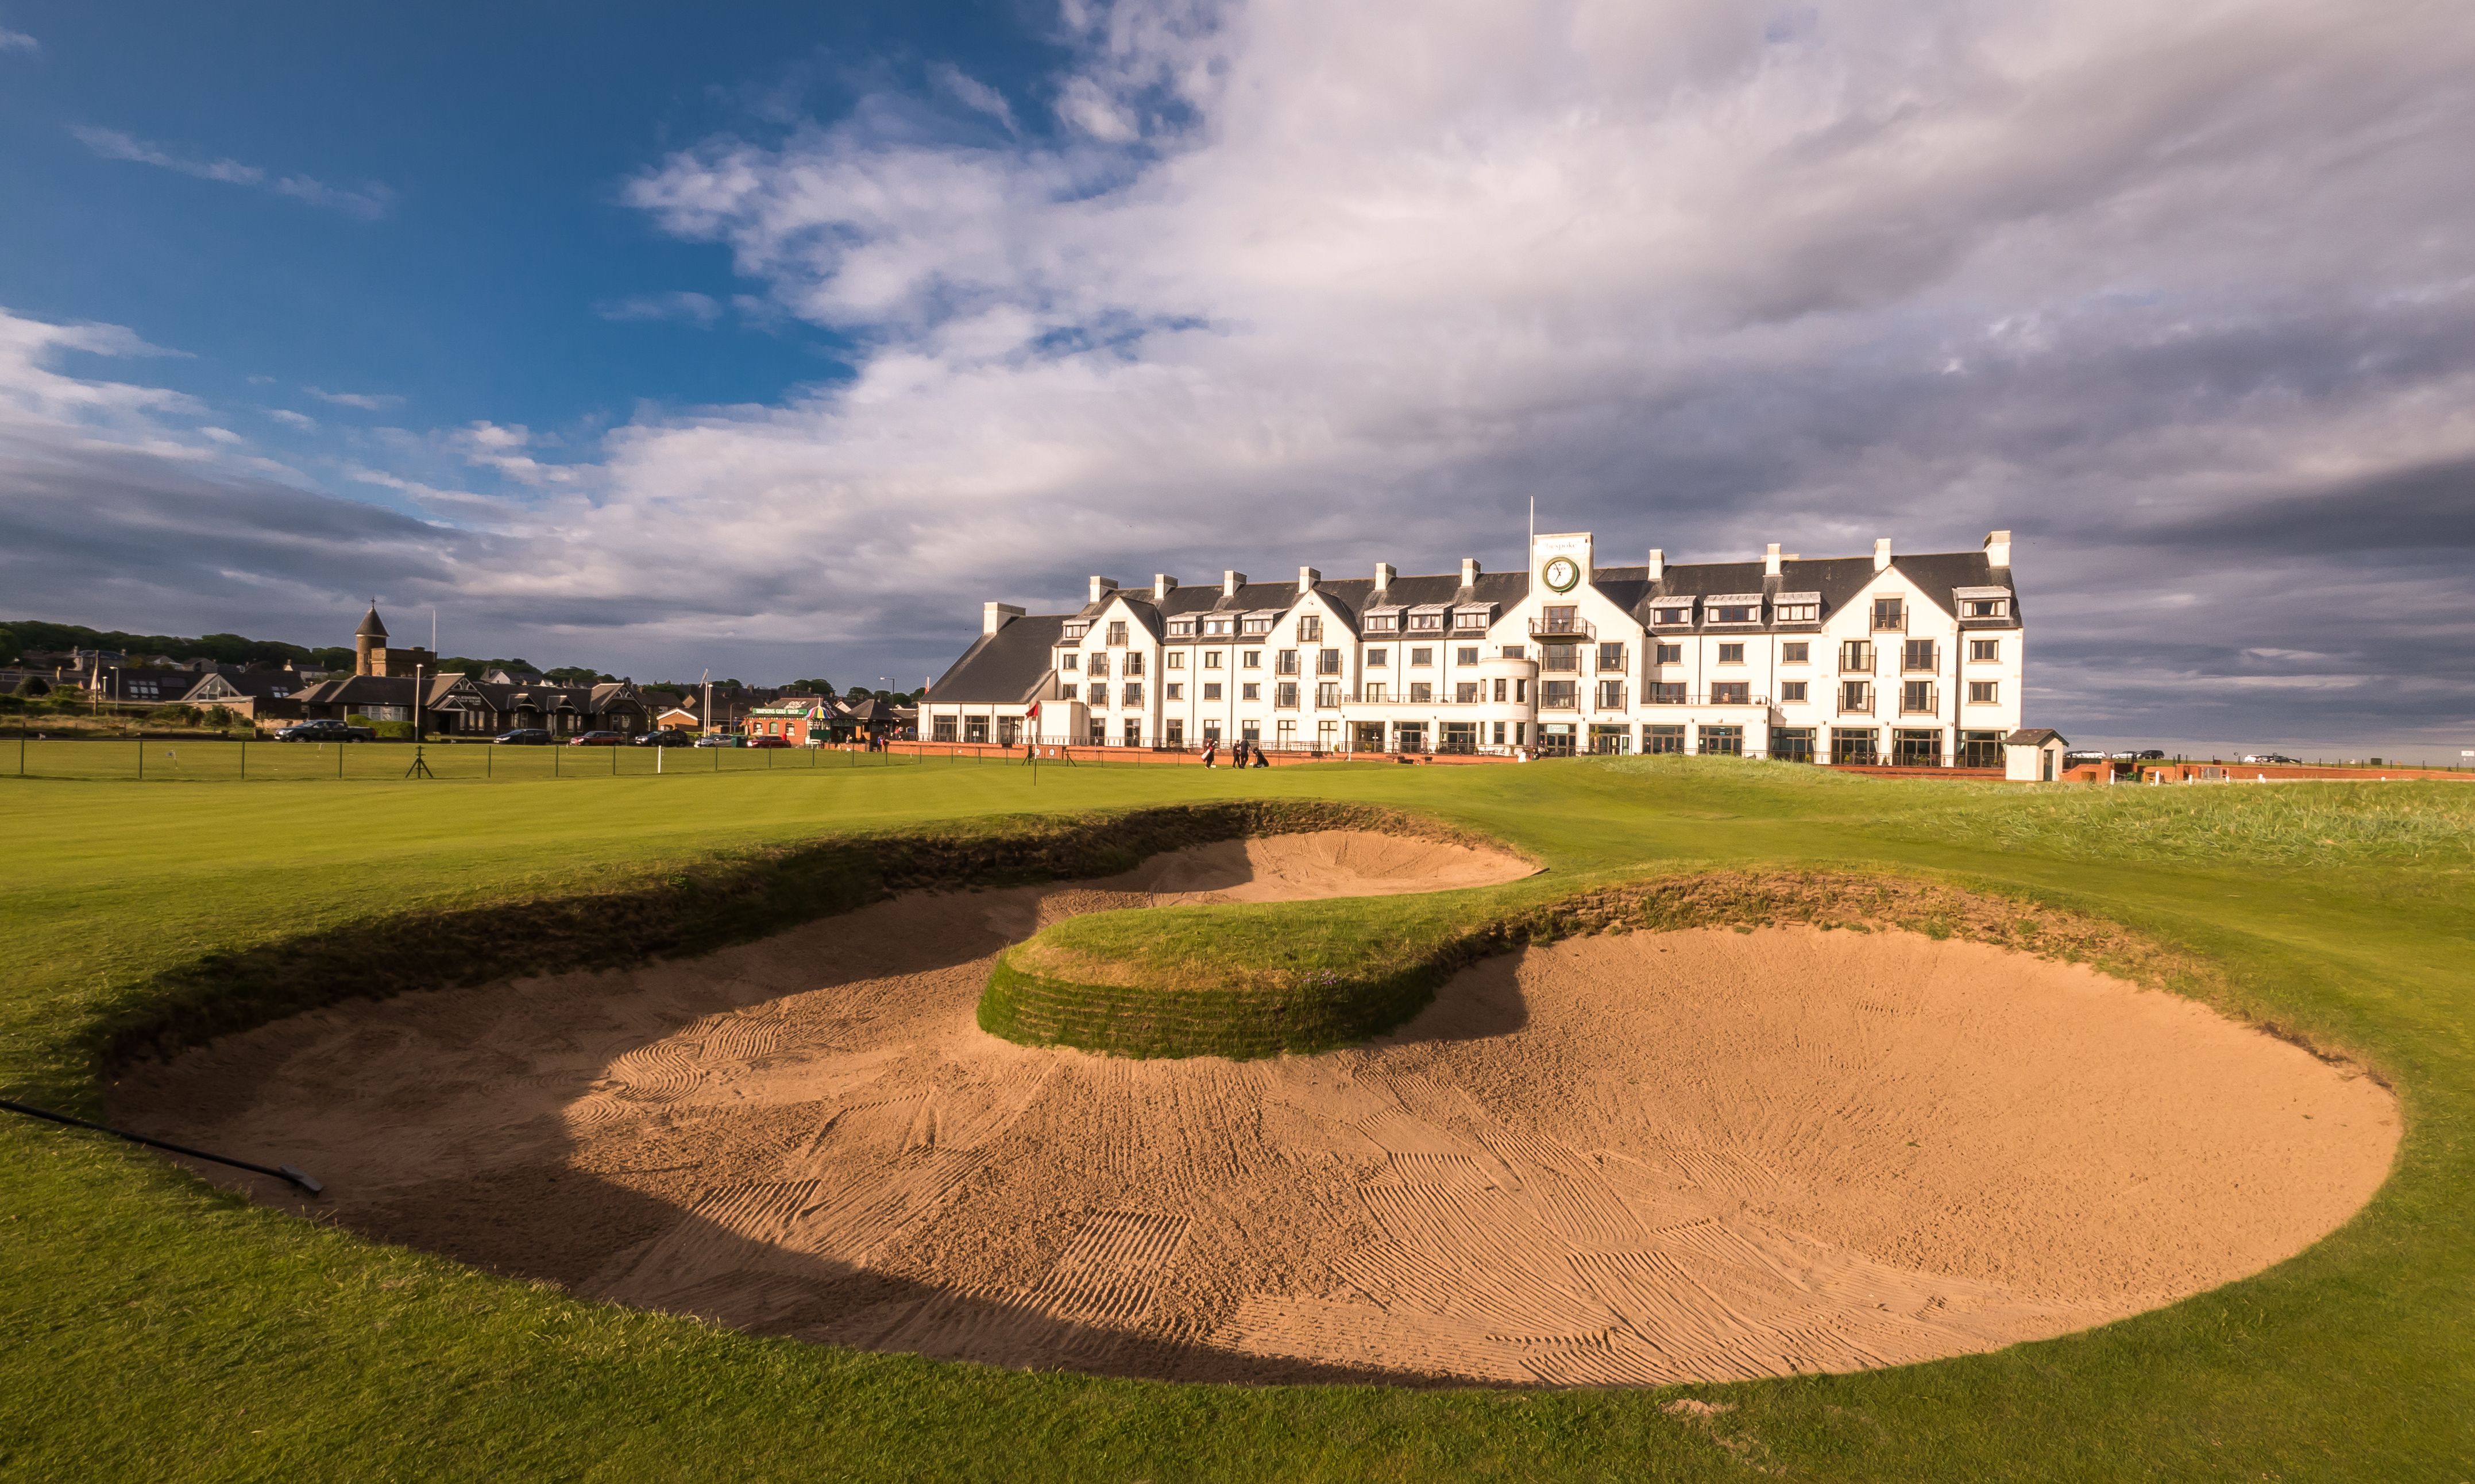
{"points": [[161, 1328]]}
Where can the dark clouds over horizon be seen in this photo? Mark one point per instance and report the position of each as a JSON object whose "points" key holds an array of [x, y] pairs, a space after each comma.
{"points": [[2185, 299]]}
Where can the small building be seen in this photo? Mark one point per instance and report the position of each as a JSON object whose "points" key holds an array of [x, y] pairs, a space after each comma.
{"points": [[802, 718], [371, 655], [2034, 754]]}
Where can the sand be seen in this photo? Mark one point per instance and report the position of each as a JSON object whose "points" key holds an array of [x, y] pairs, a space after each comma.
{"points": [[1630, 1159]]}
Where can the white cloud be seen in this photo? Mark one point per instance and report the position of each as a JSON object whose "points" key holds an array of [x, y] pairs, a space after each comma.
{"points": [[18, 41], [291, 418], [369, 203], [971, 93], [366, 401], [222, 435], [678, 304]]}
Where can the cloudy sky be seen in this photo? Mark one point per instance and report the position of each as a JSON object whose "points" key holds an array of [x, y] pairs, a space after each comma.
{"points": [[776, 346]]}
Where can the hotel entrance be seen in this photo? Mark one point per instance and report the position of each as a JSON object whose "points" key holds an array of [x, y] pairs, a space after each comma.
{"points": [[1410, 737], [1556, 739]]}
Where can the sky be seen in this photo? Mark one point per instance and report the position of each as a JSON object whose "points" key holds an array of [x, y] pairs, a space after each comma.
{"points": [[773, 342]]}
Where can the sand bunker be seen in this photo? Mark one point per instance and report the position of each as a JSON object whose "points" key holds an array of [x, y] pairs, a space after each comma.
{"points": [[1632, 1159], [1321, 864]]}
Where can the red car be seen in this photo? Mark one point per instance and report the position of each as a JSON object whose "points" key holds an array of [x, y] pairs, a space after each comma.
{"points": [[598, 740], [768, 741]]}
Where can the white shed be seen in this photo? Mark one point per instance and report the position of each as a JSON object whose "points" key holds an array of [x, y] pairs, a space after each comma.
{"points": [[2033, 754]]}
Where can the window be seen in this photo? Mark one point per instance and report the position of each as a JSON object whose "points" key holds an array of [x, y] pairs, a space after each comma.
{"points": [[1097, 664], [1727, 742], [1327, 735], [1918, 654], [1117, 632], [1500, 688], [1890, 613], [1662, 740], [1470, 620], [1917, 696], [1980, 749], [1679, 617], [1559, 694], [1099, 731], [1327, 661], [1134, 696], [1513, 652], [1212, 689], [1499, 734], [1173, 691], [1736, 613], [1075, 630], [1561, 657], [1180, 628], [1797, 613], [1983, 692], [1466, 692], [1134, 732], [1795, 654], [1857, 657], [1427, 622], [1985, 651], [1422, 656], [1100, 693], [1134, 664], [1383, 623], [1611, 740], [1671, 654], [942, 729], [1259, 625], [1377, 659], [1378, 693], [1327, 695], [1284, 736], [1173, 734], [1311, 629], [1792, 743], [1667, 692], [1466, 654], [1211, 731], [1611, 657], [1285, 694], [1731, 654], [1222, 626], [1856, 695], [1731, 693], [1560, 620], [1791, 691], [1421, 693], [1211, 659], [1854, 744], [1175, 659], [1072, 660], [1918, 748], [1611, 695], [1520, 691], [1985, 608], [1250, 659], [1285, 662], [1250, 692]]}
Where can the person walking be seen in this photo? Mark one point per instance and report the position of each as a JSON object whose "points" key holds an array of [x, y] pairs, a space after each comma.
{"points": [[1210, 752]]}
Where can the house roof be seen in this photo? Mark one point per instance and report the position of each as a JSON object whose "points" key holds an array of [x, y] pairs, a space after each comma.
{"points": [[370, 626], [2035, 737], [1003, 669]]}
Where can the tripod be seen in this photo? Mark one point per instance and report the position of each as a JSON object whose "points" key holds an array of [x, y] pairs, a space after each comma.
{"points": [[419, 768]]}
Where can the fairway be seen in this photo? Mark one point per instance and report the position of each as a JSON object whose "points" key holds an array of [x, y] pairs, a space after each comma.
{"points": [[160, 1327]]}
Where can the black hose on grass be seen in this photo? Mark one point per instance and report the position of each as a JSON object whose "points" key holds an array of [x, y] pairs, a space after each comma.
{"points": [[282, 1172]]}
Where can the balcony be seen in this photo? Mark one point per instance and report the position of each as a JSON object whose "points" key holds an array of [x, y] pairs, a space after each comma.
{"points": [[1678, 696], [1562, 630]]}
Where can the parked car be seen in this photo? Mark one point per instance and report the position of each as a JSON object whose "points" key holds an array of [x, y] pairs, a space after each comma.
{"points": [[722, 740], [768, 741], [524, 737], [2153, 754], [2075, 758], [599, 739], [667, 737], [2269, 757], [325, 731]]}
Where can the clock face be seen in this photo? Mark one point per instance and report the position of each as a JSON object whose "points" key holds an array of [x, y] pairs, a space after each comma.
{"points": [[1563, 573]]}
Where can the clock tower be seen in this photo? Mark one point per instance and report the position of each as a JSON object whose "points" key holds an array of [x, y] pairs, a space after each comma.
{"points": [[1559, 565]]}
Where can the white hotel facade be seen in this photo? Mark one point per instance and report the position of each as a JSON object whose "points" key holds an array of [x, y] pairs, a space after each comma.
{"points": [[1891, 659]]}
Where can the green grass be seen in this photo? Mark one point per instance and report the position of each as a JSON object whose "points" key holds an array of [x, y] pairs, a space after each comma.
{"points": [[152, 1328]]}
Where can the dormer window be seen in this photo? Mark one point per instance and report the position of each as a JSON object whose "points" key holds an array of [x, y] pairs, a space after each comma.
{"points": [[1985, 608], [1679, 617], [1737, 613], [1796, 608], [1076, 630], [1219, 626], [1386, 622], [1470, 620], [1427, 621], [1180, 628], [1258, 623]]}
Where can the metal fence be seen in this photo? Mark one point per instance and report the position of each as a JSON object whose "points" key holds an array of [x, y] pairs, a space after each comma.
{"points": [[172, 760]]}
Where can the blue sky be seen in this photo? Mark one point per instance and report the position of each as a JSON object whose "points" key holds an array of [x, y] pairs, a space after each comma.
{"points": [[778, 343]]}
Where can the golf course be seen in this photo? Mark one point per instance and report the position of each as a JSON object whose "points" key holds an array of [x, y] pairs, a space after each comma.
{"points": [[2254, 1003]]}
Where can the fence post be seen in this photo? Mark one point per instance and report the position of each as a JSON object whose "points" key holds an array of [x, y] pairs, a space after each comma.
{"points": [[244, 757], [142, 757], [339, 758]]}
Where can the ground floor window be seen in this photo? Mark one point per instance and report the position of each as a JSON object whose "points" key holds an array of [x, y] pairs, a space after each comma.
{"points": [[1134, 732], [1792, 743], [1370, 736], [1556, 739], [1250, 731], [1521, 734], [1410, 737], [1173, 734], [1919, 746], [1327, 736], [1980, 749], [942, 729], [1100, 733], [1009, 730], [1211, 731], [1662, 739], [1285, 736], [1611, 739], [1854, 744], [975, 729], [1460, 738], [1724, 741], [1499, 734]]}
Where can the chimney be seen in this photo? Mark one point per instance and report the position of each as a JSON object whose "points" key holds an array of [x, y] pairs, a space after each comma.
{"points": [[1771, 560], [996, 616], [1384, 573], [1162, 585], [1308, 578], [1102, 587], [1469, 572], [1881, 553], [1658, 564], [1230, 582], [1997, 549]]}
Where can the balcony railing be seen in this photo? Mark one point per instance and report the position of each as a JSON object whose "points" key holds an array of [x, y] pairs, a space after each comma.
{"points": [[1660, 695], [1561, 630]]}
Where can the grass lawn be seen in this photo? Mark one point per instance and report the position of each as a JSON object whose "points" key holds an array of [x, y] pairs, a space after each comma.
{"points": [[152, 1328]]}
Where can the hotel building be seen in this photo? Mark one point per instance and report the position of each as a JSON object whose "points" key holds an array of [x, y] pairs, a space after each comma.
{"points": [[1911, 660]]}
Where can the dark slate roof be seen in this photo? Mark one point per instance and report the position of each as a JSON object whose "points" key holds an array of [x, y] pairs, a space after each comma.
{"points": [[371, 627], [376, 689], [1003, 669], [2035, 737], [1838, 579]]}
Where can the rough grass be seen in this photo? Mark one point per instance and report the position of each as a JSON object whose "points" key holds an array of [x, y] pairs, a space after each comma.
{"points": [[151, 1327], [2336, 824]]}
